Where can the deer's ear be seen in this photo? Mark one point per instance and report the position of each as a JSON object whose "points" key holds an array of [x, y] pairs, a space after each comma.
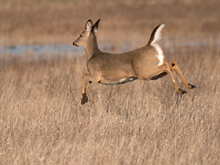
{"points": [[89, 25], [96, 26]]}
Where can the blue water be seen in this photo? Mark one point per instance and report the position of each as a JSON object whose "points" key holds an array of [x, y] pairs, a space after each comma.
{"points": [[61, 49], [41, 49], [64, 49]]}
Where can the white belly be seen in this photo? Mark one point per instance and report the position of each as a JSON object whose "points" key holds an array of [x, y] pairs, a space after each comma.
{"points": [[120, 81]]}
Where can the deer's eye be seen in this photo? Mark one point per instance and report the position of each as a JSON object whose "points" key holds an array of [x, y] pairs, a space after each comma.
{"points": [[80, 36]]}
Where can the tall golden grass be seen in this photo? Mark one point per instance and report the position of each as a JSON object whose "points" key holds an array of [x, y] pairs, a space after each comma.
{"points": [[143, 122]]}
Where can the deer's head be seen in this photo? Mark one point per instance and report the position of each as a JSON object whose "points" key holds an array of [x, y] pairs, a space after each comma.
{"points": [[88, 35]]}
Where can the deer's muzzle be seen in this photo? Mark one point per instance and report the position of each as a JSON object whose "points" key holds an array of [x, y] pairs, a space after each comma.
{"points": [[74, 44]]}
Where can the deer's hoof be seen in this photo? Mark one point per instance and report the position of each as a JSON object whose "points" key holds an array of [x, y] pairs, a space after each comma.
{"points": [[192, 86], [181, 91], [84, 98]]}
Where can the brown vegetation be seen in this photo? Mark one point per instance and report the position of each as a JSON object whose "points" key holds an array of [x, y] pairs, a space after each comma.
{"points": [[143, 122], [42, 120], [48, 21]]}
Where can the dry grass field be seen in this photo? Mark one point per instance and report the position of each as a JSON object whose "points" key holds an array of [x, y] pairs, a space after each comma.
{"points": [[42, 120]]}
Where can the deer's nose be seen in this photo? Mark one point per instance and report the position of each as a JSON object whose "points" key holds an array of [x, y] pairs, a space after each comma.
{"points": [[74, 44]]}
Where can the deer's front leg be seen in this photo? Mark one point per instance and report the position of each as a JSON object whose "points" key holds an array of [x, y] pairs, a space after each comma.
{"points": [[90, 78], [84, 97]]}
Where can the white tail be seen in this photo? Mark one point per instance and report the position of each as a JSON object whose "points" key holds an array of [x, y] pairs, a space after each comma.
{"points": [[154, 39], [145, 63], [156, 35]]}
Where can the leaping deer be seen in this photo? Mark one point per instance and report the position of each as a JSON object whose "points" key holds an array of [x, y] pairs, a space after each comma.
{"points": [[145, 63]]}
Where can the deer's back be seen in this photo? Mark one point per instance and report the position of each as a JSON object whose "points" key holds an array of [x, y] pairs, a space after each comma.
{"points": [[127, 63]]}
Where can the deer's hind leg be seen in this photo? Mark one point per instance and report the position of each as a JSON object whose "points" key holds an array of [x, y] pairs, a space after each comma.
{"points": [[159, 70], [175, 67], [168, 71], [165, 68]]}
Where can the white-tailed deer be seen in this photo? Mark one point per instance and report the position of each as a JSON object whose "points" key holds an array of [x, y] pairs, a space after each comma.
{"points": [[145, 63]]}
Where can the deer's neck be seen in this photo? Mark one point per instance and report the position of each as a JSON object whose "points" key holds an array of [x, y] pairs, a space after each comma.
{"points": [[92, 48]]}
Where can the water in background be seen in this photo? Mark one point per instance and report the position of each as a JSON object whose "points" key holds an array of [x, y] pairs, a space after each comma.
{"points": [[64, 49], [61, 49]]}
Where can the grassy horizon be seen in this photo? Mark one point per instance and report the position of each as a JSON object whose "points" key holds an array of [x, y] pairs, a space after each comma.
{"points": [[43, 22]]}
